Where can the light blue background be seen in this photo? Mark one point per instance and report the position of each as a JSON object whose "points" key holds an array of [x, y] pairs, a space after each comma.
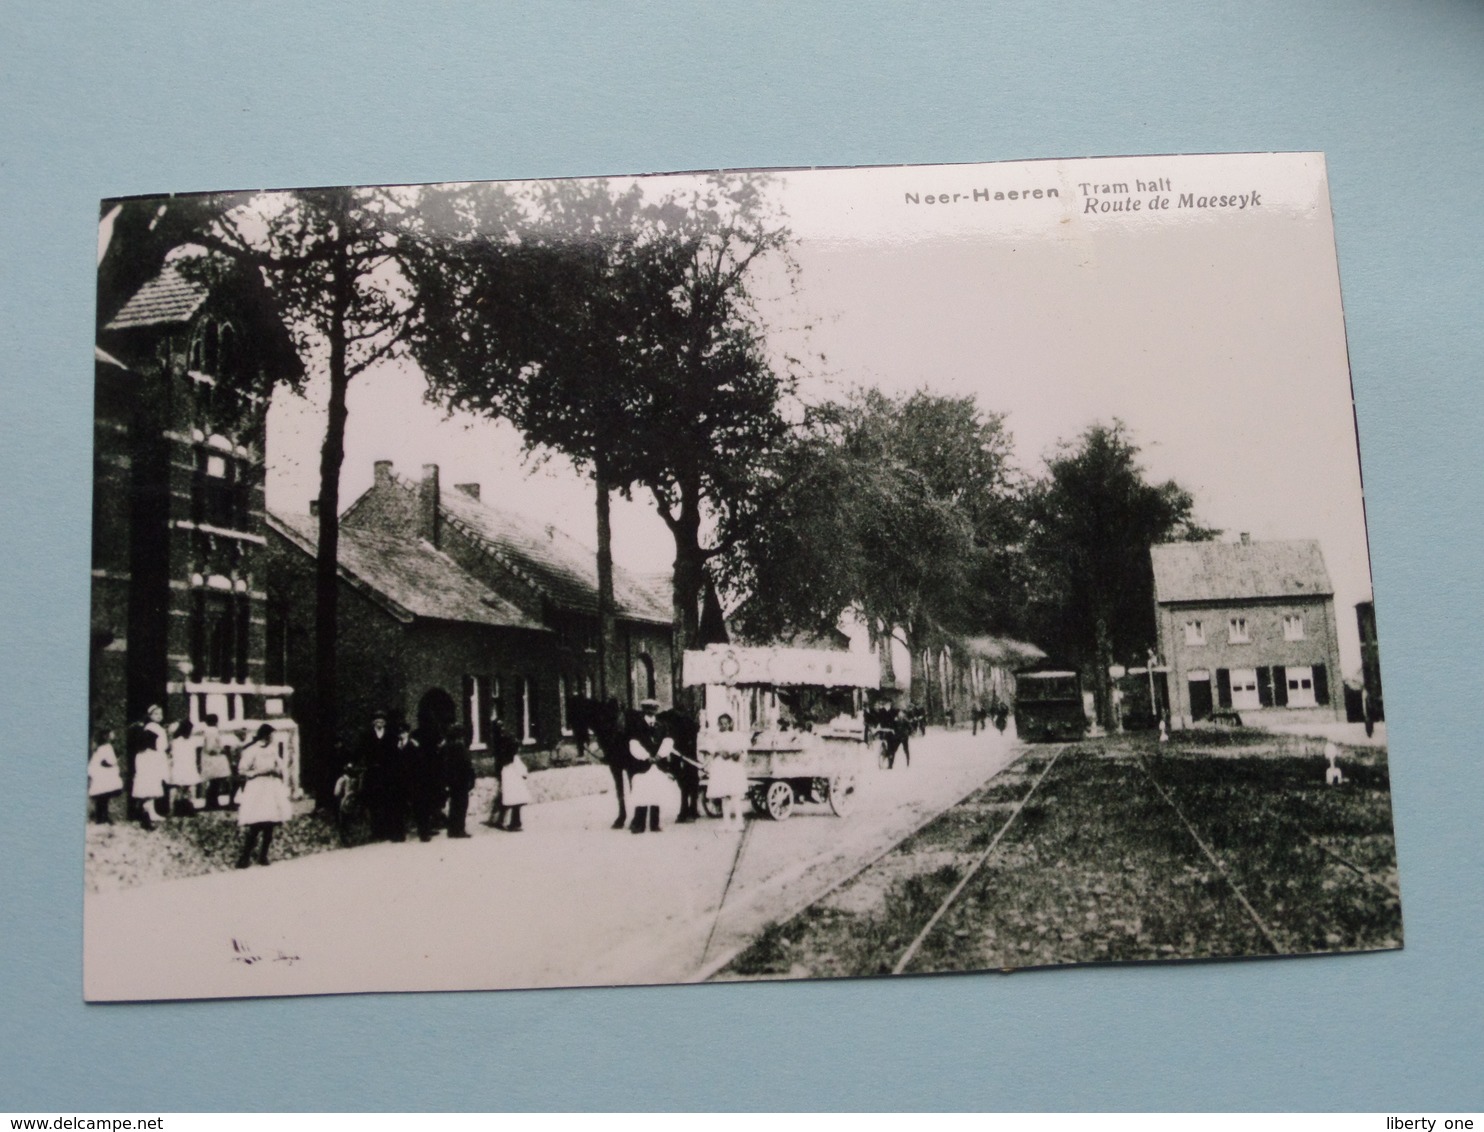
{"points": [[134, 98]]}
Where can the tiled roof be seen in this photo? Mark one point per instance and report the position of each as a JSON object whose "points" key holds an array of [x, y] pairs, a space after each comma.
{"points": [[166, 299], [555, 563], [409, 575], [1004, 651], [1224, 571]]}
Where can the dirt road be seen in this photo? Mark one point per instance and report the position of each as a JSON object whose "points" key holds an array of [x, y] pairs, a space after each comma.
{"points": [[567, 902]]}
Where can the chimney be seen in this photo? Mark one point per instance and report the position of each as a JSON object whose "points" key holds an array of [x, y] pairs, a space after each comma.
{"points": [[1246, 537], [469, 489], [314, 508], [383, 469], [427, 505]]}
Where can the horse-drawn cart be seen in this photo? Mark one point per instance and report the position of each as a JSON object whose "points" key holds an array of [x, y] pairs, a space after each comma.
{"points": [[802, 711]]}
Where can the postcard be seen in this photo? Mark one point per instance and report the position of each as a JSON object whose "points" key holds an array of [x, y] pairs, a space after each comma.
{"points": [[728, 576]]}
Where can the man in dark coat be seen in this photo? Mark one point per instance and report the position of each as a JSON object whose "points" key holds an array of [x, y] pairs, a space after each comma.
{"points": [[648, 748], [373, 753], [458, 779], [425, 779]]}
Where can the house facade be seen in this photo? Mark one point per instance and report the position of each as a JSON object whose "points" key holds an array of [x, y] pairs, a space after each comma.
{"points": [[455, 609], [183, 371], [1247, 627], [416, 637]]}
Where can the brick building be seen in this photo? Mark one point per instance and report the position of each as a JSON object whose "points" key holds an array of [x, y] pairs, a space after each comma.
{"points": [[183, 372], [460, 610], [1247, 627]]}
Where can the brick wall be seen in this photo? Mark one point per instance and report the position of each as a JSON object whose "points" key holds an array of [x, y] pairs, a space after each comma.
{"points": [[1266, 647]]}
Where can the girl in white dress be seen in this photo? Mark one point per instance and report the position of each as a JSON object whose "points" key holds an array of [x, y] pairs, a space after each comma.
{"points": [[726, 777], [104, 780], [265, 795], [185, 770], [151, 770]]}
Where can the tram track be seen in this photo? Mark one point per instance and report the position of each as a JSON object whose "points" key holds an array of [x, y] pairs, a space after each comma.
{"points": [[1196, 892], [712, 968]]}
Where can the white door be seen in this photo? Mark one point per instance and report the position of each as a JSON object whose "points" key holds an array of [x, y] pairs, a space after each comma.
{"points": [[1301, 686]]}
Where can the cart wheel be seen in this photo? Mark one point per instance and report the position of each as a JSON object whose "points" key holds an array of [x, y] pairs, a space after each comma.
{"points": [[780, 800], [713, 807], [842, 794], [882, 760]]}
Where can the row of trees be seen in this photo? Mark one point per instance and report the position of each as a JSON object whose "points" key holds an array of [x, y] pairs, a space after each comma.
{"points": [[622, 329]]}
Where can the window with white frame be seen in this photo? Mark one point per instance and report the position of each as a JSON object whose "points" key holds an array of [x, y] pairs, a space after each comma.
{"points": [[1300, 686], [1244, 689], [1195, 633], [527, 711], [477, 710], [1293, 626], [1236, 630]]}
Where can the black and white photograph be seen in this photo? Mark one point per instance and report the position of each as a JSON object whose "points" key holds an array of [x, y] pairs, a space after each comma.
{"points": [[728, 576]]}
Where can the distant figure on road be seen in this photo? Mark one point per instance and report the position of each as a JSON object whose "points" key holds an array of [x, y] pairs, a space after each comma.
{"points": [[265, 795]]}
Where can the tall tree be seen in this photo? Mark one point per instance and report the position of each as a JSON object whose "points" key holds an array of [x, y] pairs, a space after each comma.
{"points": [[1092, 519], [332, 259], [540, 309], [900, 507], [622, 331]]}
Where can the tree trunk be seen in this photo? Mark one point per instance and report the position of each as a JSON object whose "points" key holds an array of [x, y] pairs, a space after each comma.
{"points": [[688, 580], [1102, 682], [883, 642], [327, 558], [607, 624]]}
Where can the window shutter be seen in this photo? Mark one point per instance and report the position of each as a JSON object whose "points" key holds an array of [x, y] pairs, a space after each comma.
{"points": [[1321, 685], [1280, 685], [1265, 687], [1223, 687]]}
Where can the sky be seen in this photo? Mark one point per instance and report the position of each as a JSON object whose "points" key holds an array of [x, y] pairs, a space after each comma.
{"points": [[1215, 333]]}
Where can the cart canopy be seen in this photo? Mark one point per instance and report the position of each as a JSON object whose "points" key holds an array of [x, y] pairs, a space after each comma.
{"points": [[780, 667]]}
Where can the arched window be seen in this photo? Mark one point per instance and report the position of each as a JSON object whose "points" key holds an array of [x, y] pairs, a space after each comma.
{"points": [[209, 357], [641, 679], [227, 352]]}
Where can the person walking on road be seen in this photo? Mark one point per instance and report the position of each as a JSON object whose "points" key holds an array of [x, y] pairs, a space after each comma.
{"points": [[265, 795]]}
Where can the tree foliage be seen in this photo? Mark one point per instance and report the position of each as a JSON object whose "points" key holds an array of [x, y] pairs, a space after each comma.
{"points": [[898, 507], [1090, 523], [621, 330]]}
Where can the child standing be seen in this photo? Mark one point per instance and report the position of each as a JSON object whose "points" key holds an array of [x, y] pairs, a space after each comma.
{"points": [[726, 778], [347, 802], [104, 780], [185, 771], [515, 792], [216, 768], [151, 769]]}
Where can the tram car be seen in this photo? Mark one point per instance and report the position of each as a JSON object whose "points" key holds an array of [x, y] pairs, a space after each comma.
{"points": [[1049, 707], [803, 714]]}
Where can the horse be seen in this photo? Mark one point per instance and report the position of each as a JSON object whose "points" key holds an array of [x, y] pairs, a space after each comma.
{"points": [[685, 765], [604, 721]]}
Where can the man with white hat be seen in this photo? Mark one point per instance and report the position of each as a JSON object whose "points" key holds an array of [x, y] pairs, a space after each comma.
{"points": [[646, 781]]}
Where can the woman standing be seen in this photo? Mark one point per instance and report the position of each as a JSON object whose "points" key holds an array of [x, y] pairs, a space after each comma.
{"points": [[265, 795]]}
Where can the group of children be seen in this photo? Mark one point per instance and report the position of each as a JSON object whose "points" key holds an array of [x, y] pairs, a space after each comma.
{"points": [[180, 770]]}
